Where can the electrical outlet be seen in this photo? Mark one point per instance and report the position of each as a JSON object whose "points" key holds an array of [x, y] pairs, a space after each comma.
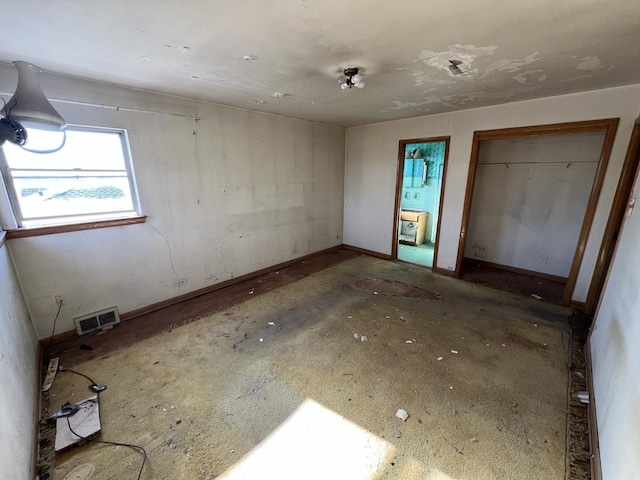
{"points": [[182, 282], [61, 300]]}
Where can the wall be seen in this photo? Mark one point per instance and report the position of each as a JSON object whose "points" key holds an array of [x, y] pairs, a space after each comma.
{"points": [[615, 358], [370, 174], [529, 200], [18, 347], [226, 194]]}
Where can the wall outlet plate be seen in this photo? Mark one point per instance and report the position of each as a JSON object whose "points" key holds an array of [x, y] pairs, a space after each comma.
{"points": [[61, 300]]}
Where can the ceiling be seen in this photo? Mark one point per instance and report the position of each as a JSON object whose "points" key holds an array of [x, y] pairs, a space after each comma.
{"points": [[284, 56]]}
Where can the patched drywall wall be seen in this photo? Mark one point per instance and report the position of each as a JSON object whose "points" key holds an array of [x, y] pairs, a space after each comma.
{"points": [[615, 358], [529, 200], [226, 192], [18, 349], [371, 166]]}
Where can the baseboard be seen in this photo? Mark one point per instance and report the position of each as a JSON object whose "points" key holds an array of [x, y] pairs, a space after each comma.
{"points": [[443, 271], [594, 445], [61, 337], [522, 271], [37, 410], [580, 306], [364, 251]]}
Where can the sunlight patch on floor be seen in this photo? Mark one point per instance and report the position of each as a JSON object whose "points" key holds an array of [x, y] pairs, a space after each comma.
{"points": [[316, 443]]}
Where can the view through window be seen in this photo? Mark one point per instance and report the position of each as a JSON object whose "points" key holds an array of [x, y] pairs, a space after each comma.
{"points": [[89, 179]]}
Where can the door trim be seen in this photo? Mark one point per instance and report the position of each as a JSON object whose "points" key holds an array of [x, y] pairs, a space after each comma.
{"points": [[399, 178], [623, 190], [607, 125]]}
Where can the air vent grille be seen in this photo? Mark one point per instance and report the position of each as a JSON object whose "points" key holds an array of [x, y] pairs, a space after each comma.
{"points": [[97, 320]]}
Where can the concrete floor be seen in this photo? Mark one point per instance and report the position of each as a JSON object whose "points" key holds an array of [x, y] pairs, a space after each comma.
{"points": [[482, 374]]}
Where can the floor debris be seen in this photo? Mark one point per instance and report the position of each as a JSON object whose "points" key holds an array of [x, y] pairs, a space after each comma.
{"points": [[51, 374], [402, 414], [454, 352], [537, 297], [85, 422], [582, 396], [363, 338]]}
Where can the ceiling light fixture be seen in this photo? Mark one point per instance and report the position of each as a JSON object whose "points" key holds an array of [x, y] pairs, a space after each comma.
{"points": [[453, 68], [351, 78], [28, 119]]}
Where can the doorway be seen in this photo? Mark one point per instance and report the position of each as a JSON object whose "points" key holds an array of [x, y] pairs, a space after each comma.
{"points": [[537, 218], [419, 192]]}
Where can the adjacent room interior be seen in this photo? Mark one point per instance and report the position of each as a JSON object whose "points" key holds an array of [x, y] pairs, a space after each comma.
{"points": [[319, 241]]}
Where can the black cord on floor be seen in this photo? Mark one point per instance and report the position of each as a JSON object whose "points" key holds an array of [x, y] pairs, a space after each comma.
{"points": [[135, 447], [116, 444], [64, 369], [54, 323]]}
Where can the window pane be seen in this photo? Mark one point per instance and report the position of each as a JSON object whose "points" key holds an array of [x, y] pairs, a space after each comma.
{"points": [[84, 149], [90, 178], [63, 196]]}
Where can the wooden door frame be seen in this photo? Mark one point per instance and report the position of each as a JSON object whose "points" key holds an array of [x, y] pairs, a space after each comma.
{"points": [[624, 190], [399, 178], [608, 125]]}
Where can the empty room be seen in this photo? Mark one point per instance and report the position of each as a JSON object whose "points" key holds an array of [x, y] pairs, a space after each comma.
{"points": [[320, 240]]}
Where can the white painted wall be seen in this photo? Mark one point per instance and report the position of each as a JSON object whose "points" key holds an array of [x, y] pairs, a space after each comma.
{"points": [[615, 358], [370, 174], [229, 194], [18, 347], [529, 200]]}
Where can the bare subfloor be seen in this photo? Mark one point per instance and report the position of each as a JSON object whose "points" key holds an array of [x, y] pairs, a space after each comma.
{"points": [[282, 385]]}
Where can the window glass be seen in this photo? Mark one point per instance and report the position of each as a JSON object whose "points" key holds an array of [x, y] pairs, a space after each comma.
{"points": [[90, 178]]}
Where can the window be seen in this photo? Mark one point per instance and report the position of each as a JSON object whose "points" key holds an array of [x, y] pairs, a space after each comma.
{"points": [[89, 179]]}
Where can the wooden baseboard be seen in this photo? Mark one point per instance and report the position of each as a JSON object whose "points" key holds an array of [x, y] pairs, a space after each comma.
{"points": [[522, 271], [61, 337], [443, 271], [37, 409], [364, 251], [594, 445], [581, 306]]}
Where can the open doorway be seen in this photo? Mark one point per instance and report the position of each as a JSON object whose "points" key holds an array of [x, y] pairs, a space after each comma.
{"points": [[419, 192], [530, 200]]}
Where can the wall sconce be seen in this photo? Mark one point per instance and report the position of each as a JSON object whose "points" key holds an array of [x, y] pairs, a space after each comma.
{"points": [[28, 119], [351, 78]]}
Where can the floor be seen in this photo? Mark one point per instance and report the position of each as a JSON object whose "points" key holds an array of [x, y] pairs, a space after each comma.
{"points": [[548, 290], [418, 255], [302, 375]]}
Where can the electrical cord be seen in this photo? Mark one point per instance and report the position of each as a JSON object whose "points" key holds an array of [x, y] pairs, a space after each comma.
{"points": [[65, 369], [116, 444], [54, 323]]}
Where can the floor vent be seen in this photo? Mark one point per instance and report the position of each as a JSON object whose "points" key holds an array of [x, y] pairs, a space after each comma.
{"points": [[97, 320]]}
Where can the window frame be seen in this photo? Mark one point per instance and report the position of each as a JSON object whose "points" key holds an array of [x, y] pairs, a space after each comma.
{"points": [[82, 220]]}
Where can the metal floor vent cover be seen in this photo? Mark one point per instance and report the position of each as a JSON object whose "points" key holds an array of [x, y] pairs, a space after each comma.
{"points": [[97, 320]]}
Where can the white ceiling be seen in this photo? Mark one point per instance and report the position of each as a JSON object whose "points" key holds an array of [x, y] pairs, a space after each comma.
{"points": [[246, 52]]}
